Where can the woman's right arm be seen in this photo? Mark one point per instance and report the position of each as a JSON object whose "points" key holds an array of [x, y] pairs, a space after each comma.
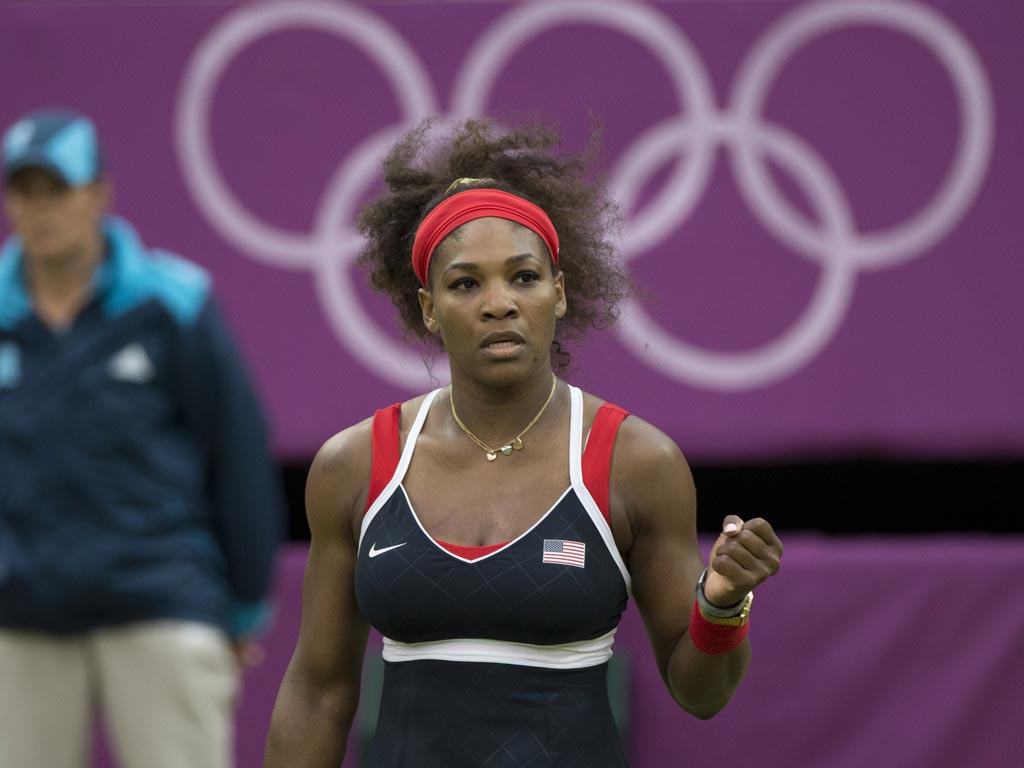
{"points": [[319, 694]]}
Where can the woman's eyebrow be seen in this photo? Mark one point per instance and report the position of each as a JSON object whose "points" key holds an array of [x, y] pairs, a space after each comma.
{"points": [[470, 266]]}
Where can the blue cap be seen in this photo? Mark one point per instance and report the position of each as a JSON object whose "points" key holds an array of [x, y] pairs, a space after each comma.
{"points": [[56, 140]]}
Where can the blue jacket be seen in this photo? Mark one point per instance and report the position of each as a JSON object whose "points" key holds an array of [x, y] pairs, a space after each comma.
{"points": [[135, 482]]}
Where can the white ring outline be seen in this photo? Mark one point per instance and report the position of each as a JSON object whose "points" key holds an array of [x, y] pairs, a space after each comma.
{"points": [[928, 226], [673, 50], [743, 131], [237, 30], [394, 362], [730, 371]]}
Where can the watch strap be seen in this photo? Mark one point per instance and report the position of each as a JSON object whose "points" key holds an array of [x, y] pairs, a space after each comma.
{"points": [[734, 615]]}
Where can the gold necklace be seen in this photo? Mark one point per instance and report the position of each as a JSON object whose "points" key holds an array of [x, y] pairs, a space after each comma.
{"points": [[516, 443]]}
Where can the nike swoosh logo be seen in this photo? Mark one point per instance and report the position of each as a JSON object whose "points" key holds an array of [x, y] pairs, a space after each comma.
{"points": [[374, 551]]}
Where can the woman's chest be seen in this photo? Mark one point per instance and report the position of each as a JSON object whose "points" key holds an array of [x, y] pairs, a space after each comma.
{"points": [[482, 503], [556, 582]]}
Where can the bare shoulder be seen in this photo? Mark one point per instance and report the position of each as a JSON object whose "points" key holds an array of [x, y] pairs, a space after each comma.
{"points": [[347, 455], [646, 462], [339, 477], [639, 444], [344, 452], [642, 445], [651, 487], [410, 409], [650, 473]]}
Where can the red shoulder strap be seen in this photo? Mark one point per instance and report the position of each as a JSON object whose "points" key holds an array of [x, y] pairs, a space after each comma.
{"points": [[386, 439], [597, 456]]}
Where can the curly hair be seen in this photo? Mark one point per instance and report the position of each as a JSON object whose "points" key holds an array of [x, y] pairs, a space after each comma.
{"points": [[419, 172]]}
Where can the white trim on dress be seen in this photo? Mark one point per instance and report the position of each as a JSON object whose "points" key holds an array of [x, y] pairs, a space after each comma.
{"points": [[577, 655]]}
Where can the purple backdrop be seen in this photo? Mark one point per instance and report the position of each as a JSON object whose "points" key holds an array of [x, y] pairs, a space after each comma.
{"points": [[867, 652], [824, 198]]}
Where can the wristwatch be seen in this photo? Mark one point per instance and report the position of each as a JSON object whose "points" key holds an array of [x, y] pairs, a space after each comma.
{"points": [[734, 615]]}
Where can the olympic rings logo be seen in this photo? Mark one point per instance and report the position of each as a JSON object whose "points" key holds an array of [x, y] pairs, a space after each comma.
{"points": [[699, 132]]}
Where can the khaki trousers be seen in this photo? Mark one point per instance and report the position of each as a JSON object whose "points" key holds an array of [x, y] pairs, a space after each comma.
{"points": [[165, 690]]}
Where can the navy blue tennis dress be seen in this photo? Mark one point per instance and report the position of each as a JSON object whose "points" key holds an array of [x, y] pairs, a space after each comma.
{"points": [[498, 661]]}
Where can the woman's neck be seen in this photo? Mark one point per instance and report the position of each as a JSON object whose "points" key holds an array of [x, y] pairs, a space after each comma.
{"points": [[61, 285], [497, 414]]}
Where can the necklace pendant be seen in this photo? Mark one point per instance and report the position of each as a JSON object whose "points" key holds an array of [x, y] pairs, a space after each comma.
{"points": [[517, 444], [491, 455], [506, 450]]}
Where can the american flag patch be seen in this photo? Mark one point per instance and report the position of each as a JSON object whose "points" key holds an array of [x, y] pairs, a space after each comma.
{"points": [[564, 552]]}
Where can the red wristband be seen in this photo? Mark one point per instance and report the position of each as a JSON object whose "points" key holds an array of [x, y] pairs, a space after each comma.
{"points": [[714, 639]]}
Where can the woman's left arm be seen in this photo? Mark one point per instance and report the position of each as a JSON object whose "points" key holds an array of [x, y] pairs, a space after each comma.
{"points": [[653, 491]]}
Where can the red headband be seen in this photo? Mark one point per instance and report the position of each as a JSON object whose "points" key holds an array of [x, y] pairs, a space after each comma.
{"points": [[475, 204]]}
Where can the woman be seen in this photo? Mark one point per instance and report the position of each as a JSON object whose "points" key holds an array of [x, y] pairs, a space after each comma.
{"points": [[492, 530]]}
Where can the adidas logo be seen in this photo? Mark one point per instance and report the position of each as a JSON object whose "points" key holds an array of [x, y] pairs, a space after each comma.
{"points": [[132, 364]]}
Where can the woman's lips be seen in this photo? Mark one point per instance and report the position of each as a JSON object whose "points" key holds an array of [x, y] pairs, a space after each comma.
{"points": [[502, 348]]}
